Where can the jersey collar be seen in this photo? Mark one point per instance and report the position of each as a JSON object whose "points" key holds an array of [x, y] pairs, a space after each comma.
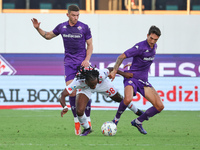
{"points": [[76, 25]]}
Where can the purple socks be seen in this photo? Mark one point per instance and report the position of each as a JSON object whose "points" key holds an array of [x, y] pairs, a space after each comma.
{"points": [[148, 113], [88, 108], [122, 107], [72, 101]]}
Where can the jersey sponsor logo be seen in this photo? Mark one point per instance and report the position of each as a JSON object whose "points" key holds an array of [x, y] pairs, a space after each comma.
{"points": [[73, 35], [147, 51], [148, 58], [64, 27], [6, 68]]}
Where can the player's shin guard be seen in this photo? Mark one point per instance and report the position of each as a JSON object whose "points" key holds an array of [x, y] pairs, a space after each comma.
{"points": [[83, 121], [148, 113]]}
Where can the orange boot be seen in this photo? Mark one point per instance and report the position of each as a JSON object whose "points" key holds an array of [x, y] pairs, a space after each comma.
{"points": [[77, 128]]}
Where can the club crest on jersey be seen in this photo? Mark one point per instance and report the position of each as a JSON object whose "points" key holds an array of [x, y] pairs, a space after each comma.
{"points": [[130, 82], [5, 67], [79, 27]]}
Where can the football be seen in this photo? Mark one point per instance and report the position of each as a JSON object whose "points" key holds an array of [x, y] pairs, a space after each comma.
{"points": [[109, 128]]}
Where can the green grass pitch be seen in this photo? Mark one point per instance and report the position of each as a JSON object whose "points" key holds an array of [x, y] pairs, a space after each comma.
{"points": [[46, 130]]}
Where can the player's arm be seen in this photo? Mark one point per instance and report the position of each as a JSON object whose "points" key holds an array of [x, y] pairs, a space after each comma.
{"points": [[45, 34], [116, 66], [62, 102], [127, 65], [124, 74], [62, 97], [66, 92], [89, 51]]}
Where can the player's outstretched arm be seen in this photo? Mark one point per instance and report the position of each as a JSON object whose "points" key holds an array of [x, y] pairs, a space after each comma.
{"points": [[46, 35], [116, 66], [124, 74]]}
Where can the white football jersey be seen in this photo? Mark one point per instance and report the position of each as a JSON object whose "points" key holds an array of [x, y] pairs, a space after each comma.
{"points": [[104, 86]]}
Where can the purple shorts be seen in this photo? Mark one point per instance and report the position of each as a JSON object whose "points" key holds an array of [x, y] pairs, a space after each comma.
{"points": [[70, 72], [137, 84]]}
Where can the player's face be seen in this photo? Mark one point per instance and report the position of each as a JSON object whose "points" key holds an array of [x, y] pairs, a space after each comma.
{"points": [[92, 84], [152, 39], [73, 17]]}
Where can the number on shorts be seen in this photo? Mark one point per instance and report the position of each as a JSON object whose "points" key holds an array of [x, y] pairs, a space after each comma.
{"points": [[110, 91]]}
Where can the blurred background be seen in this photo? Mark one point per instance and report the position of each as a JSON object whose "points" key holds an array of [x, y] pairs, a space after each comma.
{"points": [[102, 4]]}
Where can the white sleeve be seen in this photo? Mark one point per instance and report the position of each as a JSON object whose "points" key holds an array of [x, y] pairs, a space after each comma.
{"points": [[75, 84], [103, 74]]}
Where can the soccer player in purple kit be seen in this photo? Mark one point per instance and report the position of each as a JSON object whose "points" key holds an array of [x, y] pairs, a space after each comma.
{"points": [[75, 36], [143, 54]]}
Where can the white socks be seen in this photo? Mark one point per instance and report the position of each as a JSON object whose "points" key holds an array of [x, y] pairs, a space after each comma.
{"points": [[76, 119], [83, 121], [132, 107]]}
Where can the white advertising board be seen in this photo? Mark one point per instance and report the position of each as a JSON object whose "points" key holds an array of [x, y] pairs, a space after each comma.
{"points": [[33, 92]]}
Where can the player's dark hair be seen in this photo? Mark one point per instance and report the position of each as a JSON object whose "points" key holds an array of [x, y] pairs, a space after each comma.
{"points": [[154, 30], [73, 8], [89, 74]]}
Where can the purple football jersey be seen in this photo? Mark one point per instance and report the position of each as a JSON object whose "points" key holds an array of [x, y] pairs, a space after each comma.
{"points": [[74, 39], [143, 56]]}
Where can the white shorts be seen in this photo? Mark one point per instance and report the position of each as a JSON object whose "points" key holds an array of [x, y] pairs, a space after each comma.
{"points": [[105, 88]]}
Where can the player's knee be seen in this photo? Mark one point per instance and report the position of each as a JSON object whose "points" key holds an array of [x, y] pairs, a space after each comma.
{"points": [[127, 101], [79, 112], [160, 107]]}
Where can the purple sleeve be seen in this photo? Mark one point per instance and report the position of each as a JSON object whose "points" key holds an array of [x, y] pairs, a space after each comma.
{"points": [[56, 30], [88, 34], [132, 52]]}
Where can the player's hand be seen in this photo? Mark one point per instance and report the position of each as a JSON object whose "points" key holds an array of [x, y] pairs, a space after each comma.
{"points": [[36, 24], [85, 63], [64, 111], [127, 65], [112, 75], [128, 75]]}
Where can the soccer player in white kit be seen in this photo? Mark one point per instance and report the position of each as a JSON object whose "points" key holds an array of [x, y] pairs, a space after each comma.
{"points": [[88, 81]]}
